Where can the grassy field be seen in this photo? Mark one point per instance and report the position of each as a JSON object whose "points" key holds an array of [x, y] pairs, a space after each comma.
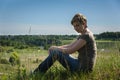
{"points": [[107, 65]]}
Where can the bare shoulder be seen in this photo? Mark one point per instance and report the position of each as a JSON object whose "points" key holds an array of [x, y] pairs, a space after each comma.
{"points": [[81, 41]]}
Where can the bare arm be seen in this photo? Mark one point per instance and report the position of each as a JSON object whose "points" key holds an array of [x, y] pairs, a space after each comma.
{"points": [[72, 47], [66, 46], [76, 46]]}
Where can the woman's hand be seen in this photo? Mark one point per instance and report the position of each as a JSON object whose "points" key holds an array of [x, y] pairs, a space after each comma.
{"points": [[52, 48]]}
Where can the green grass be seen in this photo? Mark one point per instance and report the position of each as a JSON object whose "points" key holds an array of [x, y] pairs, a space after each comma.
{"points": [[107, 66]]}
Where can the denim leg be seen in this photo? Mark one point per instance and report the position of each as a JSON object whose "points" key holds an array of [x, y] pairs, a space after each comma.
{"points": [[47, 63], [68, 62]]}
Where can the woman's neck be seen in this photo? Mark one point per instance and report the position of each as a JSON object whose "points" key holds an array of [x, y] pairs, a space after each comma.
{"points": [[85, 31]]}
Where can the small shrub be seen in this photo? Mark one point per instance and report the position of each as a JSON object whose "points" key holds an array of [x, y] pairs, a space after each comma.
{"points": [[4, 61], [4, 77], [1, 49], [21, 75], [10, 50], [20, 46], [14, 59]]}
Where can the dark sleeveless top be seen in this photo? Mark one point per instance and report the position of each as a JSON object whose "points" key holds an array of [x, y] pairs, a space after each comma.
{"points": [[87, 54]]}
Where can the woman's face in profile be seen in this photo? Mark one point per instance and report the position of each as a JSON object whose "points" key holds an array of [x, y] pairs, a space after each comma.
{"points": [[78, 27]]}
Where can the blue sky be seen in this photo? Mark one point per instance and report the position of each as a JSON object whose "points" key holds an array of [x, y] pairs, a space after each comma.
{"points": [[54, 16]]}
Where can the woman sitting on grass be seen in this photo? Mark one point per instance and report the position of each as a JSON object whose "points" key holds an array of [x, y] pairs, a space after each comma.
{"points": [[84, 44]]}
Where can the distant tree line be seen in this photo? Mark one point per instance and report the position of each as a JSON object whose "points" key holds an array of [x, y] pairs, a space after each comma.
{"points": [[45, 41], [108, 36], [25, 41]]}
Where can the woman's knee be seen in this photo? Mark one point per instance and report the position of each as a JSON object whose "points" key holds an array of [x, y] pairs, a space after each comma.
{"points": [[54, 52]]}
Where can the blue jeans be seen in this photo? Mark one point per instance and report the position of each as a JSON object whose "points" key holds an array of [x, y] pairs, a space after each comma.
{"points": [[66, 60]]}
